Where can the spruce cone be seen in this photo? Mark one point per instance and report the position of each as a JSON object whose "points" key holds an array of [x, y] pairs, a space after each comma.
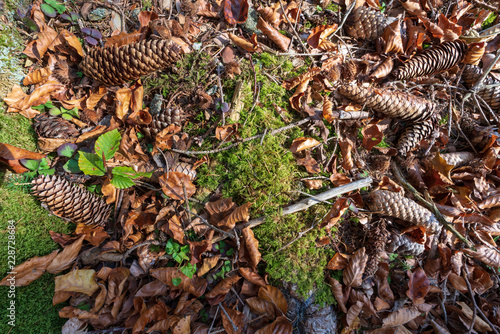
{"points": [[48, 126], [391, 103], [163, 120], [114, 65], [395, 205], [70, 202], [478, 135], [402, 244], [375, 245], [490, 95], [458, 159], [433, 60], [414, 134], [365, 23]]}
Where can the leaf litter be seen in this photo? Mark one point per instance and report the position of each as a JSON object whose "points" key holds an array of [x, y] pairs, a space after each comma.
{"points": [[379, 96]]}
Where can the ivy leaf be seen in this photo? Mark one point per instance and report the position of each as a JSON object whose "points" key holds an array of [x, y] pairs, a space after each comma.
{"points": [[129, 172], [66, 150], [122, 182], [108, 144], [91, 164], [189, 270], [169, 248], [30, 164]]}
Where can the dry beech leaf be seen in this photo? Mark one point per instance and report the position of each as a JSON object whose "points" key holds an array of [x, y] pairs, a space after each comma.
{"points": [[353, 274], [280, 40], [37, 76], [65, 259], [123, 99], [319, 34], [124, 38], [29, 271], [296, 99], [235, 11], [208, 264], [218, 293], [183, 326], [353, 312], [313, 184], [303, 143], [418, 286], [337, 290], [346, 147], [61, 297], [275, 296], [401, 316], [252, 246], [392, 38], [335, 213], [383, 69], [338, 262], [194, 285], [172, 184], [479, 324], [383, 286], [485, 254], [442, 166], [281, 325], [95, 97], [252, 276], [372, 136], [414, 8], [81, 280], [292, 83], [155, 313], [236, 320], [155, 288], [20, 102], [261, 307], [225, 133], [381, 304], [10, 155], [241, 213], [328, 110], [243, 43]]}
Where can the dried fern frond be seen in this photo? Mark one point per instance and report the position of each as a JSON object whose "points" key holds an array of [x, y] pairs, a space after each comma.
{"points": [[433, 60], [391, 103]]}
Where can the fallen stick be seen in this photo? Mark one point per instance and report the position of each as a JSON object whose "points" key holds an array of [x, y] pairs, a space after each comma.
{"points": [[308, 202]]}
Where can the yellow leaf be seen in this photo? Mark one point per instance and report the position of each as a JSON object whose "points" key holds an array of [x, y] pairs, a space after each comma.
{"points": [[82, 280]]}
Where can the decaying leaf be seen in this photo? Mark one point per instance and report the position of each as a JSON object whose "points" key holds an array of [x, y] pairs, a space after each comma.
{"points": [[353, 274], [80, 280], [235, 325], [174, 183], [169, 276], [303, 143], [418, 286], [280, 325], [485, 254], [27, 272], [218, 293], [275, 296], [281, 41], [401, 316], [64, 259], [252, 246]]}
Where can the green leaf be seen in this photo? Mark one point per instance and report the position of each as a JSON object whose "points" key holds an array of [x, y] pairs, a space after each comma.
{"points": [[55, 111], [74, 112], [67, 150], [58, 6], [47, 171], [139, 135], [48, 104], [177, 257], [41, 107], [67, 117], [189, 270], [169, 248], [91, 164], [108, 144], [176, 281], [122, 182], [130, 172], [44, 164], [230, 252], [31, 164], [71, 166], [48, 10]]}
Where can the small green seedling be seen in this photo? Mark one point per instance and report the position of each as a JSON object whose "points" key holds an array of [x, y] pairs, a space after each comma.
{"points": [[51, 8], [67, 114], [95, 163], [38, 166], [180, 254]]}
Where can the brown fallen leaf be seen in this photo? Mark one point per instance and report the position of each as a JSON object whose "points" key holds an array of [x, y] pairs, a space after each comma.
{"points": [[303, 143], [252, 246], [392, 38], [65, 259], [418, 286], [275, 296], [218, 293], [20, 102], [338, 262], [281, 325], [244, 44], [240, 213], [93, 234], [123, 100], [353, 273], [279, 39], [235, 11], [401, 316], [372, 136], [353, 312], [10, 155], [313, 184], [194, 285], [261, 307], [225, 133], [28, 271], [173, 184], [37, 76], [250, 275], [80, 280], [208, 264], [485, 254], [335, 213], [319, 34], [337, 290], [235, 325]]}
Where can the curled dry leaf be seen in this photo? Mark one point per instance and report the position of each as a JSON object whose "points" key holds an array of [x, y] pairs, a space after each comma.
{"points": [[296, 100], [353, 274], [37, 76], [346, 147], [328, 110], [261, 307], [293, 82], [335, 213], [319, 34], [241, 213], [337, 290], [281, 325], [372, 136], [172, 184], [20, 102], [313, 184], [388, 184], [392, 38], [225, 133], [383, 69], [479, 324], [338, 262], [485, 254], [65, 259], [95, 97], [401, 316], [235, 325], [123, 99], [219, 292], [281, 41], [490, 202], [81, 280], [275, 296], [419, 286], [244, 44], [252, 246], [10, 155], [353, 313], [252, 276], [303, 143], [208, 264], [28, 271], [235, 11], [194, 285]]}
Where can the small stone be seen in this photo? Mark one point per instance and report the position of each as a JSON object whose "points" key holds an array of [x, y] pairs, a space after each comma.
{"points": [[98, 14]]}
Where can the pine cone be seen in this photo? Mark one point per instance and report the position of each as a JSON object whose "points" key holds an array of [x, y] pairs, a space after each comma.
{"points": [[375, 245], [114, 65], [402, 244], [458, 159], [48, 126], [433, 60], [163, 120], [391, 103], [395, 205], [69, 201], [490, 95], [478, 135], [365, 23], [414, 134]]}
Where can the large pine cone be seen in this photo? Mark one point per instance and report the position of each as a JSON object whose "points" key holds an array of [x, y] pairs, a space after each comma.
{"points": [[490, 95], [414, 134], [365, 23], [163, 120], [391, 103], [48, 126], [433, 60], [114, 65], [70, 202], [394, 204]]}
